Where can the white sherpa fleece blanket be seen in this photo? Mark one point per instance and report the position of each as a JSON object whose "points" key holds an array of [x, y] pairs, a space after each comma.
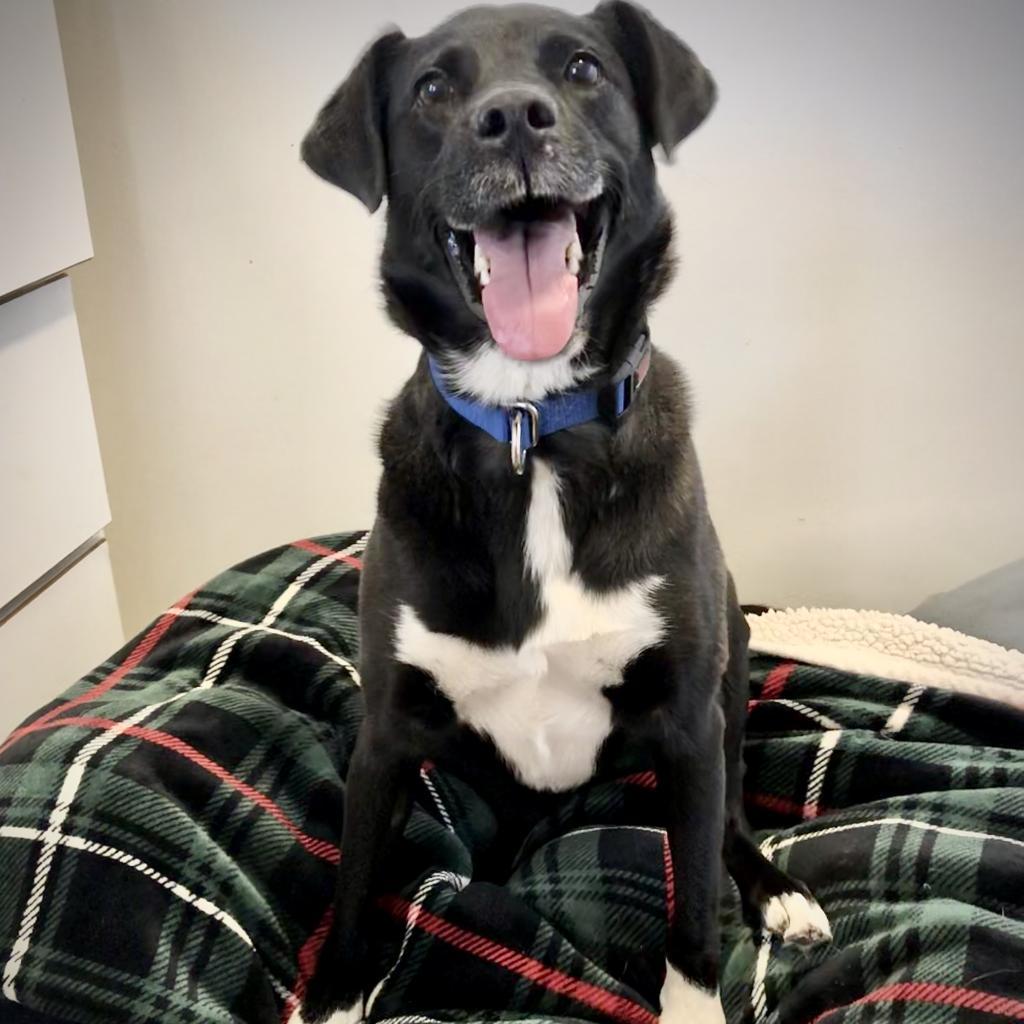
{"points": [[895, 647]]}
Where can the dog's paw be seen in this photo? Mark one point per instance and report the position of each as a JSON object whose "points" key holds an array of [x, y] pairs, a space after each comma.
{"points": [[353, 1015], [683, 1002], [795, 917]]}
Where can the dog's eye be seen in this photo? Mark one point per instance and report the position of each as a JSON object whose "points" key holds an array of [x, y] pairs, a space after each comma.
{"points": [[583, 69], [433, 88]]}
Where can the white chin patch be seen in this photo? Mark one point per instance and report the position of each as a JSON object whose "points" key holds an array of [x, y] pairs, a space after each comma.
{"points": [[353, 1015], [682, 1002], [492, 377], [795, 918]]}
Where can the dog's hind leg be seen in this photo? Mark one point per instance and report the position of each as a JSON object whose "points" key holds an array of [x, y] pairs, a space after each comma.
{"points": [[772, 900]]}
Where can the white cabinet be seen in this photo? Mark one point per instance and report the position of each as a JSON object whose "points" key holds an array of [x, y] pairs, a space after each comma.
{"points": [[65, 631], [43, 224], [58, 608], [52, 494]]}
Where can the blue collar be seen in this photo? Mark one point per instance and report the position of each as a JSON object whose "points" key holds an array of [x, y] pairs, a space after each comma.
{"points": [[505, 423]]}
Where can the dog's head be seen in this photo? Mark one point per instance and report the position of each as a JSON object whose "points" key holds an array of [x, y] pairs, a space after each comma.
{"points": [[525, 227]]}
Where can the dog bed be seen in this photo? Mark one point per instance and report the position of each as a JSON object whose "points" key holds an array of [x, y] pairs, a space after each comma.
{"points": [[169, 833]]}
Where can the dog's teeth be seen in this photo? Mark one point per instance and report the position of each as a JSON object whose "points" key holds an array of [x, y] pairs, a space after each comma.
{"points": [[574, 256], [481, 266]]}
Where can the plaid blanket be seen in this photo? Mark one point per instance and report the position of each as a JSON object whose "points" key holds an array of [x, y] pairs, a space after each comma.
{"points": [[169, 835]]}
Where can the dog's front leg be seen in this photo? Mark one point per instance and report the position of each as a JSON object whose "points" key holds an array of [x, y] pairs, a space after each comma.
{"points": [[691, 773], [374, 793]]}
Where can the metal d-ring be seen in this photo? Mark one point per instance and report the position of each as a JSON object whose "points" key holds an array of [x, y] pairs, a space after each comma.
{"points": [[515, 417]]}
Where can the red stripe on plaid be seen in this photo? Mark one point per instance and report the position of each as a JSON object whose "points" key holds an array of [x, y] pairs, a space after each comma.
{"points": [[940, 995], [319, 549], [779, 803], [309, 953], [139, 652], [617, 1007], [646, 779], [776, 680], [670, 881], [318, 847]]}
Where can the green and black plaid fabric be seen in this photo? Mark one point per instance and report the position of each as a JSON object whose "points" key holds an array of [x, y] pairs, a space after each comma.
{"points": [[169, 834]]}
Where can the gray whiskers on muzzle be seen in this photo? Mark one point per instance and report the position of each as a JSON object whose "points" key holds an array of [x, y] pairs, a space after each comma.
{"points": [[492, 188]]}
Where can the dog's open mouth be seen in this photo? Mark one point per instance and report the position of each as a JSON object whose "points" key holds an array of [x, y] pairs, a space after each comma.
{"points": [[528, 271]]}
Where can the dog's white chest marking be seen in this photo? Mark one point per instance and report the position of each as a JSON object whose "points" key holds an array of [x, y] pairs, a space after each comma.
{"points": [[542, 703]]}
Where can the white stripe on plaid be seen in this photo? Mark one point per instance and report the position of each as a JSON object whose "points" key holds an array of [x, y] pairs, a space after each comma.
{"points": [[816, 782], [457, 882], [223, 652], [201, 903], [612, 828], [803, 709], [419, 1018], [49, 840], [436, 797], [771, 845], [51, 837], [758, 995], [901, 714], [248, 627]]}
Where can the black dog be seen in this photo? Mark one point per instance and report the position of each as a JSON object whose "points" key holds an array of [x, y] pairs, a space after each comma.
{"points": [[543, 583]]}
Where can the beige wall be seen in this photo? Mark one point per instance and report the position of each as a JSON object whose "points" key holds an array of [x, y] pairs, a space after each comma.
{"points": [[850, 309]]}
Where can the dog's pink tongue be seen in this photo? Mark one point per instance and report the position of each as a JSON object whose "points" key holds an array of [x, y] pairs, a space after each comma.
{"points": [[530, 300]]}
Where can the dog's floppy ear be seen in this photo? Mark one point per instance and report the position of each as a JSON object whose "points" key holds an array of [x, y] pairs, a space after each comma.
{"points": [[347, 145], [674, 91]]}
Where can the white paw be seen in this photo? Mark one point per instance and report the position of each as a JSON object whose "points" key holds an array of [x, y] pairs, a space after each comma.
{"points": [[796, 918], [353, 1015], [682, 1002]]}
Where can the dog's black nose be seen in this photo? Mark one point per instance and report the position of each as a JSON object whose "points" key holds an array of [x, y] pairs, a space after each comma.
{"points": [[524, 109]]}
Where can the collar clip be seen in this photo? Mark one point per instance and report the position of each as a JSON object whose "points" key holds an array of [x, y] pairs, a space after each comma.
{"points": [[516, 413]]}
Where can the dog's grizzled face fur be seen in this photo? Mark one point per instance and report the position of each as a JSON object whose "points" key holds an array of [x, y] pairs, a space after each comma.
{"points": [[514, 147]]}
